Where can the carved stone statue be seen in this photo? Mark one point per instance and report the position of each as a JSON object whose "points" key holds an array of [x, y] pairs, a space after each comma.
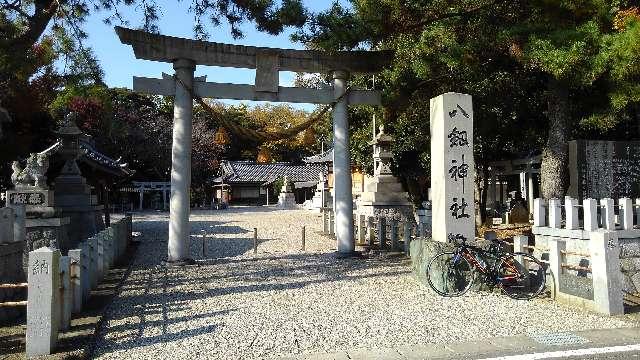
{"points": [[33, 174]]}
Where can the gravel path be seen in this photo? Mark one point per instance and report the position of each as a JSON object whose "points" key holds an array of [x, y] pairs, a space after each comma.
{"points": [[237, 305]]}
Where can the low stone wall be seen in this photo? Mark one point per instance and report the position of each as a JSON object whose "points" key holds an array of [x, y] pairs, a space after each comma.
{"points": [[59, 286], [423, 249], [630, 264]]}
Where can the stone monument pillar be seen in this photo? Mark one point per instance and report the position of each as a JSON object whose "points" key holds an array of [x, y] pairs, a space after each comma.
{"points": [[452, 168], [383, 195], [286, 199]]}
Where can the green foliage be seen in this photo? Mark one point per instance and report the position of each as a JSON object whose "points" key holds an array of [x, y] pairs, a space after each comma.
{"points": [[269, 118], [503, 53], [277, 186]]}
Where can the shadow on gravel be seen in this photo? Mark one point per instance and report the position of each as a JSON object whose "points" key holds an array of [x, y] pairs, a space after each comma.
{"points": [[156, 298]]}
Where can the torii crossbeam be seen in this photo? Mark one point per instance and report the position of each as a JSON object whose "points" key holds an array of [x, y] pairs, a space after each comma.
{"points": [[184, 54]]}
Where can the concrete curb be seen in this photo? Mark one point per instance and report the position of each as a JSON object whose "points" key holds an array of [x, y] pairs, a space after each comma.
{"points": [[497, 346]]}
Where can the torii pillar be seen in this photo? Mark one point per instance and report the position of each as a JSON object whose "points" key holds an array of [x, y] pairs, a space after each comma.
{"points": [[343, 201], [268, 62], [180, 201]]}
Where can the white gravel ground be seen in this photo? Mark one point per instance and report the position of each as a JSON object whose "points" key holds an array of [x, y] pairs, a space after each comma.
{"points": [[237, 305]]}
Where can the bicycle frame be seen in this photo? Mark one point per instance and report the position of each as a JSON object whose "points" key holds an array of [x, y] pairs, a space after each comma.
{"points": [[471, 254]]}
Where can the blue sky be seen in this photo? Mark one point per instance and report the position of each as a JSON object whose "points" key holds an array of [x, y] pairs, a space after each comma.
{"points": [[120, 65]]}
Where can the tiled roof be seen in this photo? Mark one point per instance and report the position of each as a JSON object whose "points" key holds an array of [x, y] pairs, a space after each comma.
{"points": [[94, 158], [325, 157], [93, 155], [252, 172]]}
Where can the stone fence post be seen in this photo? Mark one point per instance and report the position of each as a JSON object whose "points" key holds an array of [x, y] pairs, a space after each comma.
{"points": [[325, 221], [555, 214], [362, 228], [66, 301], [539, 215], [626, 213], [556, 247], [571, 212], [85, 271], [100, 257], [406, 236], [393, 224], [332, 223], [43, 305], [519, 243], [638, 211], [590, 209], [94, 263], [608, 213], [605, 271], [382, 231], [372, 232], [76, 279], [111, 234]]}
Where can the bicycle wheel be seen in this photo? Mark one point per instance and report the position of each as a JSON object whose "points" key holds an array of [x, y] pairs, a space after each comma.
{"points": [[449, 274], [521, 276]]}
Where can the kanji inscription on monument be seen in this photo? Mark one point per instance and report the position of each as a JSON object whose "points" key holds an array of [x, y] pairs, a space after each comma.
{"points": [[452, 167], [27, 198]]}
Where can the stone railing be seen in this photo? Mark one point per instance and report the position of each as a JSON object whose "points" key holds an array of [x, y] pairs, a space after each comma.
{"points": [[379, 232], [592, 247], [59, 286]]}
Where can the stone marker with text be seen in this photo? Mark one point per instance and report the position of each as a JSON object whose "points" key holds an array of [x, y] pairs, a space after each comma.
{"points": [[452, 168], [43, 306]]}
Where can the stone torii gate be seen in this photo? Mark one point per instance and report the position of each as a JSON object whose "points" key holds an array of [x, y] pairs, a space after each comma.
{"points": [[184, 54]]}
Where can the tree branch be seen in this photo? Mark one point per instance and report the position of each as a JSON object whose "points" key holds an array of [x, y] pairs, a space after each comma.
{"points": [[15, 6], [430, 20], [43, 13]]}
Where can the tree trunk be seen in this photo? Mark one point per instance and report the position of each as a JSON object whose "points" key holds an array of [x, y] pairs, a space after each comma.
{"points": [[555, 155]]}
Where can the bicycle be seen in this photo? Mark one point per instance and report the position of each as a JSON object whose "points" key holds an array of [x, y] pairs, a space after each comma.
{"points": [[452, 273]]}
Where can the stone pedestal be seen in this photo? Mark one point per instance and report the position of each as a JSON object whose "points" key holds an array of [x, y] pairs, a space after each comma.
{"points": [[286, 199], [383, 194], [50, 232], [36, 201]]}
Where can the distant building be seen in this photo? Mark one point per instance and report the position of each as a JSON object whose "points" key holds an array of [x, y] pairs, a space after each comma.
{"points": [[326, 159], [250, 182]]}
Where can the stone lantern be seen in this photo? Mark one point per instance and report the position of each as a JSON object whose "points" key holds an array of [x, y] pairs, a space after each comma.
{"points": [[73, 198], [383, 195], [69, 137], [382, 153]]}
